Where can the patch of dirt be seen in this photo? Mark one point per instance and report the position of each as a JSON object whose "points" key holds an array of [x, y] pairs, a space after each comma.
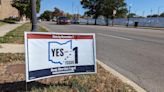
{"points": [[16, 69]]}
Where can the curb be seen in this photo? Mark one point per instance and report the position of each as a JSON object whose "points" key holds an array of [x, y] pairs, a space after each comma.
{"points": [[123, 78], [44, 27]]}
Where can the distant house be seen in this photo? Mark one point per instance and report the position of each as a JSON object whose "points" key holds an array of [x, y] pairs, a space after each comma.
{"points": [[6, 10]]}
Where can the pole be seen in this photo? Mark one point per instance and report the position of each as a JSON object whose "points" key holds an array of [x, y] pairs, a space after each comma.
{"points": [[128, 15], [151, 11], [34, 18], [143, 13], [78, 16], [113, 16], [159, 11]]}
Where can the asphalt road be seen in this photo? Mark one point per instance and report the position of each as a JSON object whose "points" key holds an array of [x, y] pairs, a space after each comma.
{"points": [[136, 53]]}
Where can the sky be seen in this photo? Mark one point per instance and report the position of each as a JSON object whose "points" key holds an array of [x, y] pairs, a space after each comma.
{"points": [[140, 7]]}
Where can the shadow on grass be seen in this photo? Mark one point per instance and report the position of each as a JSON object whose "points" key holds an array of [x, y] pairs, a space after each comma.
{"points": [[20, 86]]}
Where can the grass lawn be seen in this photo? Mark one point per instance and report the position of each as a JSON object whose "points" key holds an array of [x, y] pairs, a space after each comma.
{"points": [[103, 81], [17, 35], [2, 23]]}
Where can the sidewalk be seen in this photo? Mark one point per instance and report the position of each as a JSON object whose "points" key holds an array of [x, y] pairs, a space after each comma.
{"points": [[12, 48], [8, 27]]}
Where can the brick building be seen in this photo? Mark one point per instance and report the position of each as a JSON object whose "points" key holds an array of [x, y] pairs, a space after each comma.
{"points": [[6, 10]]}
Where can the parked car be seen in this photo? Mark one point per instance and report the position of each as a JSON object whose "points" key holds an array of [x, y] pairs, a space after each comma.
{"points": [[75, 21], [63, 20]]}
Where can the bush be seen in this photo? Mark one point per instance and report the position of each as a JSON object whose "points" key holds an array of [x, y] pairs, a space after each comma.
{"points": [[11, 20]]}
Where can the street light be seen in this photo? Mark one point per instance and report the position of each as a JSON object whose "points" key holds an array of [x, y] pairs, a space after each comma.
{"points": [[159, 8], [129, 14], [33, 15]]}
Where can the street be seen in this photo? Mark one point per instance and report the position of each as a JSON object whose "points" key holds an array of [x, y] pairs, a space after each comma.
{"points": [[138, 54]]}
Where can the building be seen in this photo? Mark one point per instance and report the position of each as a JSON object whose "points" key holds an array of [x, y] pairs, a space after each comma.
{"points": [[6, 10]]}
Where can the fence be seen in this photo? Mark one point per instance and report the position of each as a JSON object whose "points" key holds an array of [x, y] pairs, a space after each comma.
{"points": [[144, 22]]}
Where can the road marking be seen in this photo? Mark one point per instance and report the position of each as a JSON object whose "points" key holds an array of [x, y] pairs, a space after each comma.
{"points": [[114, 36]]}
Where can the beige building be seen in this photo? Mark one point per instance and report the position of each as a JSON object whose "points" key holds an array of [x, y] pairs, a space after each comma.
{"points": [[6, 10]]}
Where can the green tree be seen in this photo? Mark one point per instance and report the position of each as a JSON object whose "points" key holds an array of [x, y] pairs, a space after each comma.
{"points": [[131, 15], [69, 16], [24, 7], [93, 8], [110, 5], [154, 15], [121, 10], [57, 12], [96, 8], [47, 15], [162, 14]]}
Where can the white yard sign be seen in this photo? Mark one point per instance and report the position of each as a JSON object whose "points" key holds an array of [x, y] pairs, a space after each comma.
{"points": [[56, 54]]}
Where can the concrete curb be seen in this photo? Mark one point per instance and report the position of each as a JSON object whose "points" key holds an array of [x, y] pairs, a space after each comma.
{"points": [[123, 78], [44, 27]]}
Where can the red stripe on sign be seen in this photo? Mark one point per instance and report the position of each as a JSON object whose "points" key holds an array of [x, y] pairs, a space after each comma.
{"points": [[39, 36], [57, 36]]}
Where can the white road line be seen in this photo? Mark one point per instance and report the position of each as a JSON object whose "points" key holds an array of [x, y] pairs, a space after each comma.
{"points": [[114, 36]]}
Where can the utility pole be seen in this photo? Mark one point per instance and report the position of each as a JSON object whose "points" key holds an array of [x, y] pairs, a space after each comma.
{"points": [[151, 12], [143, 13], [73, 10], [33, 15], [78, 16], [129, 14], [159, 10]]}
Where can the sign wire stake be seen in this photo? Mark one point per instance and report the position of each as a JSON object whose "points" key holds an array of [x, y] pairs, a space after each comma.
{"points": [[26, 87]]}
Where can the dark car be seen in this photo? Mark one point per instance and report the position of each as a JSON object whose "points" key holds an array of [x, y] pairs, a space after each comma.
{"points": [[63, 20]]}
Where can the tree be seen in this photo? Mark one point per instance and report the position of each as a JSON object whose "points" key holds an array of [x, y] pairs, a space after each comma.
{"points": [[131, 15], [110, 5], [69, 16], [24, 7], [154, 15], [93, 8], [162, 14], [121, 9], [46, 15], [57, 12]]}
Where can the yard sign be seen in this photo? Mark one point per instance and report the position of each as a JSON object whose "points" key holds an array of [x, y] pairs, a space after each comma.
{"points": [[57, 54]]}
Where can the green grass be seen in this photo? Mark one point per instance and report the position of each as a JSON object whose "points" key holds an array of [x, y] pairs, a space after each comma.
{"points": [[17, 35], [2, 23]]}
